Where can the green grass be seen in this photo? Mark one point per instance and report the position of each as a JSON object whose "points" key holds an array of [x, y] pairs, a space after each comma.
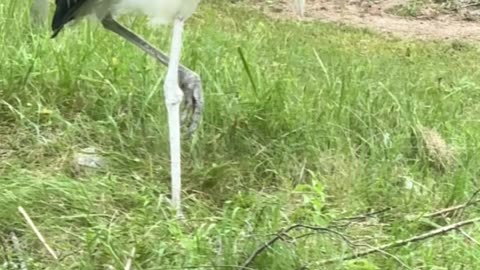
{"points": [[412, 8], [324, 128]]}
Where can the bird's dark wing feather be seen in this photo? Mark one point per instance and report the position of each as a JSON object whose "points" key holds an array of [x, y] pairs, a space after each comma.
{"points": [[65, 11]]}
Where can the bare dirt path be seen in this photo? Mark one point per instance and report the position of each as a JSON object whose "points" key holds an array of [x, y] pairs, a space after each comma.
{"points": [[430, 22]]}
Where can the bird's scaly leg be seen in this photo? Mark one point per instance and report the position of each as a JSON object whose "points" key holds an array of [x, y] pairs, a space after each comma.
{"points": [[189, 81], [173, 98]]}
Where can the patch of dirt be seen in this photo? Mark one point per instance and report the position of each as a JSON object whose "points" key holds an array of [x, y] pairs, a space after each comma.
{"points": [[429, 21]]}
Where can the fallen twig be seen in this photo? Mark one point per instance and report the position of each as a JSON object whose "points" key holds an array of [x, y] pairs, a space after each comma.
{"points": [[347, 221], [451, 209], [203, 267], [437, 213], [387, 254], [37, 232], [367, 215], [473, 240], [439, 231], [460, 212], [284, 232], [467, 204]]}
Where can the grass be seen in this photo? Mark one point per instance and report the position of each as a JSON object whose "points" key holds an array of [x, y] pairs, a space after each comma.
{"points": [[412, 8], [422, 8], [325, 126]]}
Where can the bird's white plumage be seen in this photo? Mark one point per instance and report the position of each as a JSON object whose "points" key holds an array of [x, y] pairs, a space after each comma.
{"points": [[159, 11]]}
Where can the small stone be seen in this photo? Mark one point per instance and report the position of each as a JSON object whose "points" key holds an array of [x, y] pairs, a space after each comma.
{"points": [[88, 157], [87, 160]]}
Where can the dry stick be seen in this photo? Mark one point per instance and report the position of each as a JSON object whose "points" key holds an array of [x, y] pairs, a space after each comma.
{"points": [[349, 220], [451, 209], [467, 204], [359, 245], [391, 256], [128, 265], [429, 215], [439, 231], [37, 232], [282, 233], [460, 214]]}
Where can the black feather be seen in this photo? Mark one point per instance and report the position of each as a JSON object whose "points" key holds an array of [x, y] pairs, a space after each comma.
{"points": [[65, 11]]}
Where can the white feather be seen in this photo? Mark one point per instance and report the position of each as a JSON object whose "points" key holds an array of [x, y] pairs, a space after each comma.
{"points": [[159, 11]]}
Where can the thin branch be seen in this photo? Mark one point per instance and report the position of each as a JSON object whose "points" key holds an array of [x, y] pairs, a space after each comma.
{"points": [[451, 209], [473, 240], [437, 213], [361, 245], [260, 250], [37, 232], [387, 254], [322, 229], [210, 267], [460, 213], [347, 221], [417, 238], [282, 233], [367, 215], [468, 203]]}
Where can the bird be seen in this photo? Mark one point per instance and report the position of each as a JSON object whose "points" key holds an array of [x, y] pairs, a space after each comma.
{"points": [[180, 82]]}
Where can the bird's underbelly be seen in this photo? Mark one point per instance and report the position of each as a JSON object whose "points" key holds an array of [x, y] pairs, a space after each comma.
{"points": [[159, 11]]}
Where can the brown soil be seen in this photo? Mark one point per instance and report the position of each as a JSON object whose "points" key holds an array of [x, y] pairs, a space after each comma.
{"points": [[430, 21]]}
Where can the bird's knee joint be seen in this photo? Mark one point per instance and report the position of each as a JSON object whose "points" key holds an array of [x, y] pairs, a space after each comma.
{"points": [[173, 96], [189, 77]]}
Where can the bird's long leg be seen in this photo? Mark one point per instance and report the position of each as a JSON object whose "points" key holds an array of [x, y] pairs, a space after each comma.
{"points": [[189, 81], [300, 7], [173, 98]]}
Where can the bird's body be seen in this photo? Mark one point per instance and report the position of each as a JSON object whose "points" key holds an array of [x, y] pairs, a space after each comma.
{"points": [[159, 11]]}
